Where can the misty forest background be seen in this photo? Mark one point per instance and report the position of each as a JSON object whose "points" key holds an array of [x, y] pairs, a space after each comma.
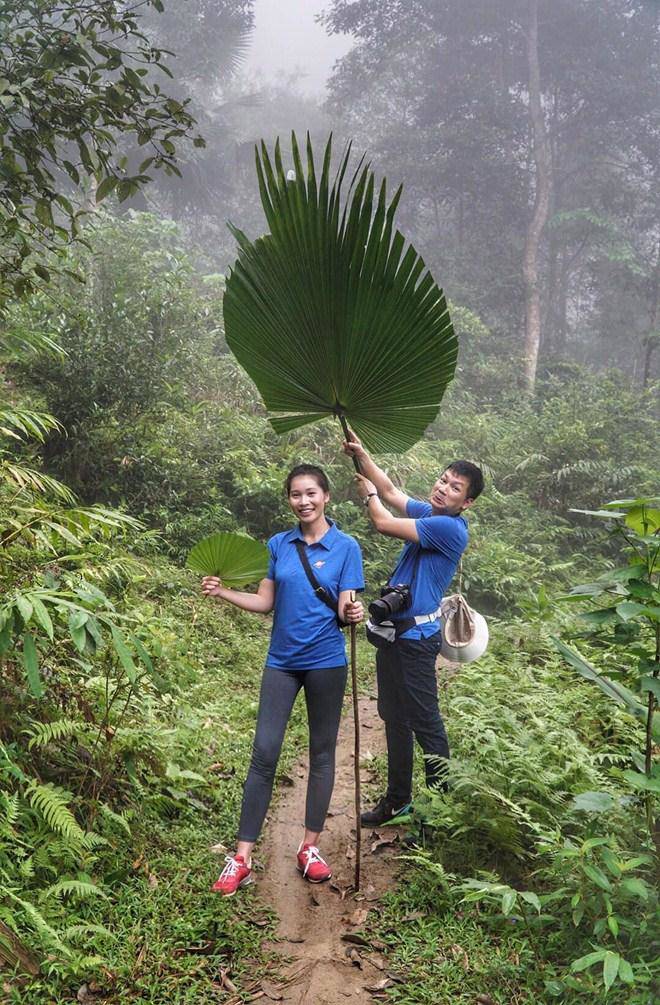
{"points": [[526, 136]]}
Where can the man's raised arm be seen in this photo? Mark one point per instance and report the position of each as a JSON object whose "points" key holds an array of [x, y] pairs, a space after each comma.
{"points": [[387, 490]]}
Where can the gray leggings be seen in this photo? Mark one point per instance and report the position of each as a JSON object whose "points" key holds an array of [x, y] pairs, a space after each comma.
{"points": [[324, 692]]}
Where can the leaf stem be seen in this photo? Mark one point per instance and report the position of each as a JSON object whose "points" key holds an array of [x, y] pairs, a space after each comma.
{"points": [[347, 435]]}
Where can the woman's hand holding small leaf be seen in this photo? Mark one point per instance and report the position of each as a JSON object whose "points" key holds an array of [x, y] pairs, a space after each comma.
{"points": [[212, 586]]}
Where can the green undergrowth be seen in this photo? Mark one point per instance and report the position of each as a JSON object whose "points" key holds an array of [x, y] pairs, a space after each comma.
{"points": [[484, 907], [438, 956], [143, 926], [534, 874]]}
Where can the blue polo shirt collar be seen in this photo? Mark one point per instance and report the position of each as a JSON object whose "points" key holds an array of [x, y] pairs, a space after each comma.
{"points": [[326, 541]]}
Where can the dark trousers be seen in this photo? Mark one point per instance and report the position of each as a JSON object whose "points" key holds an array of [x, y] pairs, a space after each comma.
{"points": [[408, 705], [324, 693]]}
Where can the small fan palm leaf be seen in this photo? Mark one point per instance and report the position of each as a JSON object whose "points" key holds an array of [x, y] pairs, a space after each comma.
{"points": [[236, 558], [331, 313]]}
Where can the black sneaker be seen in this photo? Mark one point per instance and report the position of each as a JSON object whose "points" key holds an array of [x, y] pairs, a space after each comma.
{"points": [[384, 812]]}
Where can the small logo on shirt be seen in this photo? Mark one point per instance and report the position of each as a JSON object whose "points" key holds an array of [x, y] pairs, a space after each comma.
{"points": [[317, 565]]}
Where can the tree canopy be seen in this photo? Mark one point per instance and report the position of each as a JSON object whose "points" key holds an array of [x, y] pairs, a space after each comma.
{"points": [[442, 94], [74, 77]]}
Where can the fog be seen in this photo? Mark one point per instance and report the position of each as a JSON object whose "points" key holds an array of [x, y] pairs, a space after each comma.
{"points": [[288, 40]]}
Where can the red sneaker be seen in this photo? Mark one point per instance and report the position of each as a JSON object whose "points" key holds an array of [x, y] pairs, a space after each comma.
{"points": [[311, 865], [236, 873]]}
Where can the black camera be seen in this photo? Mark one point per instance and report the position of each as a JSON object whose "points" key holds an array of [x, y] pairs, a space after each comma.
{"points": [[392, 600]]}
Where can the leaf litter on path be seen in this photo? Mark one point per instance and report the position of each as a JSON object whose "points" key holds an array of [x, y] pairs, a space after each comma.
{"points": [[460, 955], [341, 890], [354, 957], [369, 894], [356, 938], [386, 982], [357, 918], [272, 991], [383, 842]]}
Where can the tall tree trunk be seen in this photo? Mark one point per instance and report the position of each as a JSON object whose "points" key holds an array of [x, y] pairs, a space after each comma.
{"points": [[542, 192], [460, 238], [549, 317], [652, 340], [562, 306]]}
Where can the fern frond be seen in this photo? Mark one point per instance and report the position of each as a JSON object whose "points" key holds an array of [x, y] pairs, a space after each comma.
{"points": [[53, 854], [43, 733], [531, 459], [93, 840], [444, 878], [26, 868], [609, 757], [38, 922], [615, 474], [10, 806], [116, 818], [52, 804], [78, 887], [73, 931]]}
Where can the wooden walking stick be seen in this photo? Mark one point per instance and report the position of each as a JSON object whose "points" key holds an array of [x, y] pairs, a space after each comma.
{"points": [[356, 722], [356, 710]]}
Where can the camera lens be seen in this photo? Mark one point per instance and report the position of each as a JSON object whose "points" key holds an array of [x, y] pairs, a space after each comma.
{"points": [[379, 611], [393, 600]]}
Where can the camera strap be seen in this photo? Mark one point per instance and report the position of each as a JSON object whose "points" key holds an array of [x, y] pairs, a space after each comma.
{"points": [[319, 590]]}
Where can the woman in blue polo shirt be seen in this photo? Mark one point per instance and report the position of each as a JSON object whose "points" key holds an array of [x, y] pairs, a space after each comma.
{"points": [[307, 651]]}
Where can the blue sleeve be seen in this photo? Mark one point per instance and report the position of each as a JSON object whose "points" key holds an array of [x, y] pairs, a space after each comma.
{"points": [[272, 551], [415, 509], [446, 534], [351, 576]]}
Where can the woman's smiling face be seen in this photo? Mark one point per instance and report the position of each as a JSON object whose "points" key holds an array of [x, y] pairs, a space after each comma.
{"points": [[307, 499]]}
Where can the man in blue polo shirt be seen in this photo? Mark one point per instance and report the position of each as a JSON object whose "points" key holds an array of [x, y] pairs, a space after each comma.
{"points": [[436, 535]]}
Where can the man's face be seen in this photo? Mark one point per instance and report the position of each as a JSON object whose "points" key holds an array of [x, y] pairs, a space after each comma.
{"points": [[450, 493]]}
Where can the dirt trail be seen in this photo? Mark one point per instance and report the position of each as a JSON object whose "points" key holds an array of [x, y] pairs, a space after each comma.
{"points": [[313, 918]]}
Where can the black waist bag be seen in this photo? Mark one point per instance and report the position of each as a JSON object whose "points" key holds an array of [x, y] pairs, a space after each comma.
{"points": [[319, 590], [383, 635]]}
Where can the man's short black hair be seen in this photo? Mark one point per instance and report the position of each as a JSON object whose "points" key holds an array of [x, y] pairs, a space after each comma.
{"points": [[474, 475]]}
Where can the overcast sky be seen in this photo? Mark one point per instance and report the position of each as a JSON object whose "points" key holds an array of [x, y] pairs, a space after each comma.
{"points": [[286, 38]]}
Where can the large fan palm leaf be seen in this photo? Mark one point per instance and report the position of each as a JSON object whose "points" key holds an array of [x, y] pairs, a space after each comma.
{"points": [[331, 313], [236, 558]]}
